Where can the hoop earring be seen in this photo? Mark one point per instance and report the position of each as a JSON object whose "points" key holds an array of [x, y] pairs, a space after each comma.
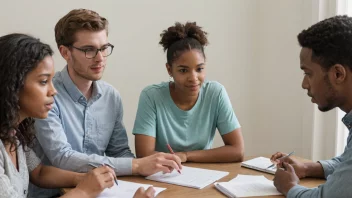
{"points": [[171, 79]]}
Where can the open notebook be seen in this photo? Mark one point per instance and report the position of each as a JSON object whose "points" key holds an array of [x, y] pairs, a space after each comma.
{"points": [[260, 164], [126, 190], [189, 177], [247, 186]]}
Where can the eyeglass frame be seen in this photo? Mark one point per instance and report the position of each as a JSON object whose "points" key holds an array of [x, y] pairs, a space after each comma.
{"points": [[96, 52]]}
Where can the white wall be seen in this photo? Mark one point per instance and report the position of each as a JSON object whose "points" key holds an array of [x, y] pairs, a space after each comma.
{"points": [[253, 52], [279, 110]]}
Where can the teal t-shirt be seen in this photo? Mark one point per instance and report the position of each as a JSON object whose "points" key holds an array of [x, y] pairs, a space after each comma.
{"points": [[158, 116]]}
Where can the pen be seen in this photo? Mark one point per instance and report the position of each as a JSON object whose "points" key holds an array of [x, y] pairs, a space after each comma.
{"points": [[172, 152], [283, 157], [95, 166]]}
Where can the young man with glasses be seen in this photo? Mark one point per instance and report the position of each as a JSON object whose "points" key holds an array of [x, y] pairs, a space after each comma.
{"points": [[85, 124]]}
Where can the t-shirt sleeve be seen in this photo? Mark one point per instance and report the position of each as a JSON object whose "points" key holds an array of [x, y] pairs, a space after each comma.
{"points": [[145, 122], [227, 120]]}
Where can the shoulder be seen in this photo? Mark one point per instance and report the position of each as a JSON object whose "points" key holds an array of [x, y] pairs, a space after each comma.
{"points": [[108, 89], [57, 78], [156, 90], [212, 87]]}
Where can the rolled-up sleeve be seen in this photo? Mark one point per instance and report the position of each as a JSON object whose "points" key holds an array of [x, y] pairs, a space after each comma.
{"points": [[330, 165], [337, 185]]}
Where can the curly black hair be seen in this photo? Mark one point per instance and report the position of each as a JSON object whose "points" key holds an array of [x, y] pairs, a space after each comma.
{"points": [[180, 37], [330, 41], [19, 54]]}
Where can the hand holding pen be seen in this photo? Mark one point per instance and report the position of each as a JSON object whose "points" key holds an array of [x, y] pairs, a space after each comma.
{"points": [[278, 159], [113, 172], [95, 181], [172, 152], [299, 167]]}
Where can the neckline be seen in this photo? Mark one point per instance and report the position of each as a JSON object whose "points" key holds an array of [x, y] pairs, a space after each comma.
{"points": [[174, 106], [18, 158]]}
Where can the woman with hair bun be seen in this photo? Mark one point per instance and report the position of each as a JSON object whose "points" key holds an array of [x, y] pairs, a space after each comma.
{"points": [[186, 112]]}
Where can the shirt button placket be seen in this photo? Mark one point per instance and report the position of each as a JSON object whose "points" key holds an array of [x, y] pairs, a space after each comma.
{"points": [[87, 128]]}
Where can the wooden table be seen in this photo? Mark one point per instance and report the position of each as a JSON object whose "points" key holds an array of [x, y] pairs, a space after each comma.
{"points": [[210, 191]]}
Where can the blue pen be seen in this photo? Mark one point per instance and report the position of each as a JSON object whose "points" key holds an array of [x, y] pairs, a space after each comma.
{"points": [[283, 157], [96, 166]]}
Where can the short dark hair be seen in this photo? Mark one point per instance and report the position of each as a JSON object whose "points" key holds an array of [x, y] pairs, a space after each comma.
{"points": [[330, 41], [19, 54], [77, 20], [181, 37]]}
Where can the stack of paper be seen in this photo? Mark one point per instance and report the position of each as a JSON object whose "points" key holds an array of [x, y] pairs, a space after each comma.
{"points": [[126, 190], [189, 177], [260, 164], [247, 186]]}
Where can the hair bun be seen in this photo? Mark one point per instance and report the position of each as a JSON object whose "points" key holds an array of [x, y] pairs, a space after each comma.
{"points": [[180, 31]]}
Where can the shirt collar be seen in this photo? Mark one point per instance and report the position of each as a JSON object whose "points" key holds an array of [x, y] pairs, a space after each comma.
{"points": [[74, 92], [347, 120]]}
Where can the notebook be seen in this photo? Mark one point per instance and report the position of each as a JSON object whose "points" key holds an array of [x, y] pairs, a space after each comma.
{"points": [[247, 186], [260, 164], [189, 177], [126, 190]]}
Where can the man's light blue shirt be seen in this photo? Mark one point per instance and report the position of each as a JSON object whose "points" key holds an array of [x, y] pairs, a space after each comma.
{"points": [[78, 132], [338, 172]]}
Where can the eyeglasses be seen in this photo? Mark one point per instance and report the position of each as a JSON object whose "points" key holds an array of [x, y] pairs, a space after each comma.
{"points": [[90, 53]]}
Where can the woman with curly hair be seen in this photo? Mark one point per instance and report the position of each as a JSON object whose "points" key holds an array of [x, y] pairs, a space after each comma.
{"points": [[184, 113], [26, 91]]}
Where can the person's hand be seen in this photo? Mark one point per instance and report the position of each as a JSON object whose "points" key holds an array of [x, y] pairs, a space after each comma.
{"points": [[97, 180], [299, 167], [141, 193], [285, 178], [182, 156], [149, 165]]}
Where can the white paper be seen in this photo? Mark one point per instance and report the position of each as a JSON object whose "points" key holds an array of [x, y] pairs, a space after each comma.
{"points": [[126, 190], [189, 177], [261, 164], [247, 186], [248, 178]]}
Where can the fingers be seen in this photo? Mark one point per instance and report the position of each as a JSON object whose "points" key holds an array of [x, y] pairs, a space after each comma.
{"points": [[170, 160], [104, 180], [165, 162], [111, 171], [279, 165], [276, 156], [170, 169], [106, 177], [178, 160], [139, 193], [109, 184], [279, 157], [150, 192], [140, 190], [107, 173], [288, 167], [164, 169]]}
